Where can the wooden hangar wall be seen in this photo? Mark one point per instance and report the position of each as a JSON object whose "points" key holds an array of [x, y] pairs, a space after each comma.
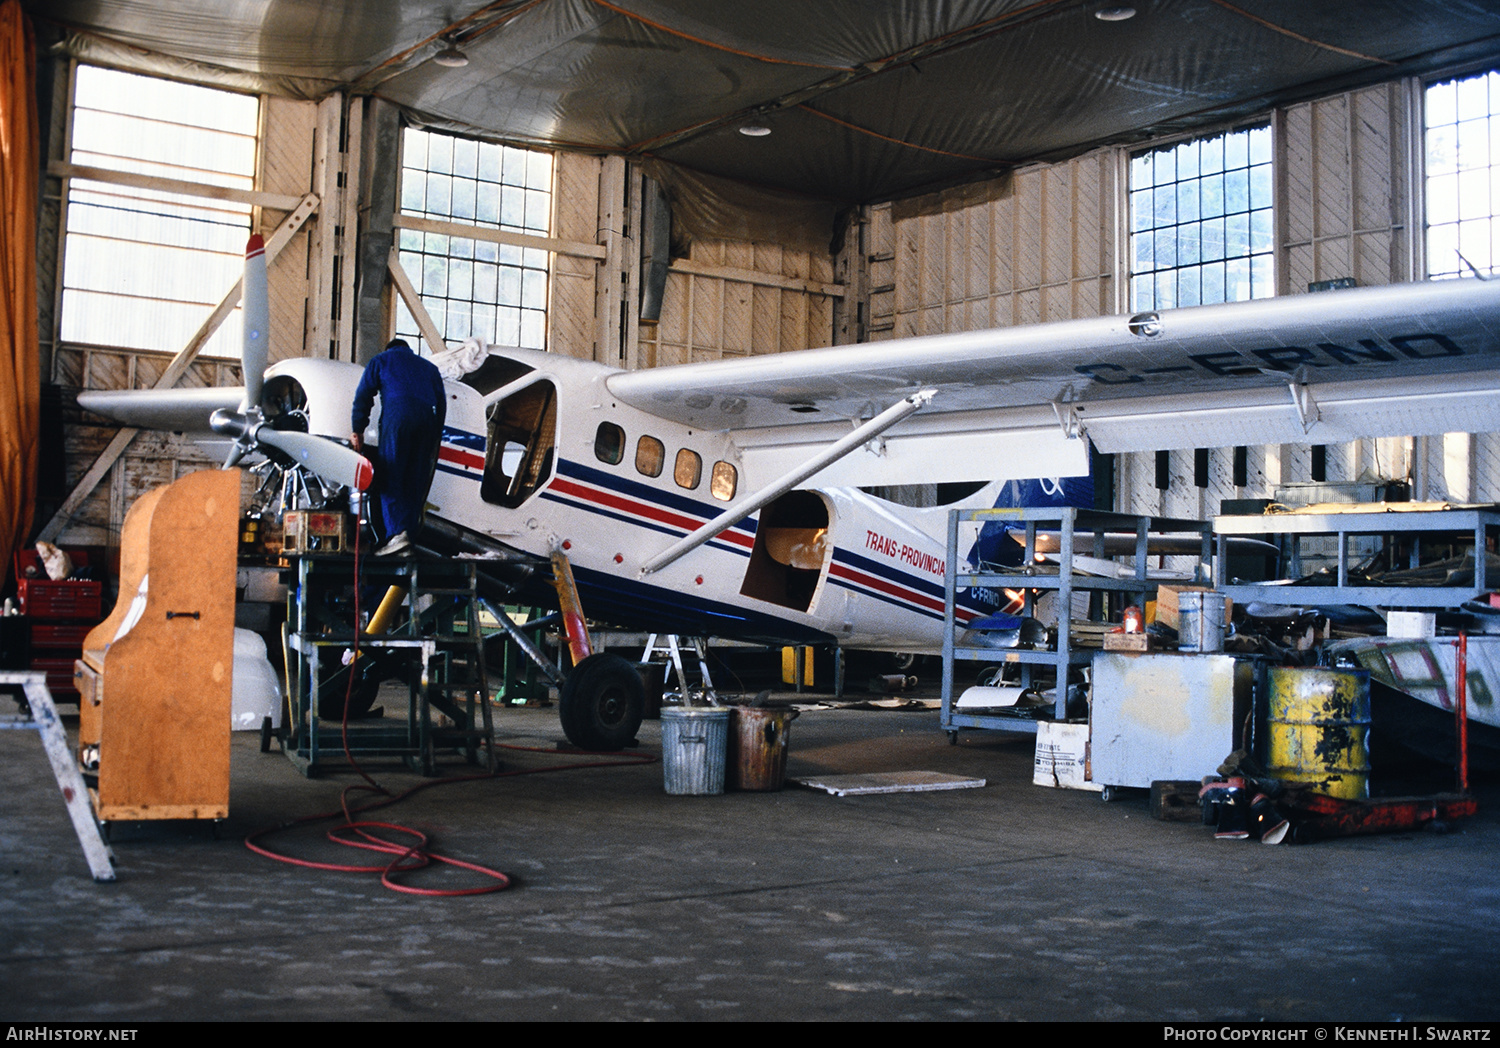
{"points": [[1050, 243]]}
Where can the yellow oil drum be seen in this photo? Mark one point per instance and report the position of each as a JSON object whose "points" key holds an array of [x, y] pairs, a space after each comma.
{"points": [[1319, 722]]}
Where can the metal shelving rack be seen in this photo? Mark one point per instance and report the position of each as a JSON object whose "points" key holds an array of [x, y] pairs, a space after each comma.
{"points": [[1478, 524], [1060, 659]]}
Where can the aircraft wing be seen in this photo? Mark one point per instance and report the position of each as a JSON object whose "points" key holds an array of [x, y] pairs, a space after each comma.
{"points": [[179, 410], [1321, 368]]}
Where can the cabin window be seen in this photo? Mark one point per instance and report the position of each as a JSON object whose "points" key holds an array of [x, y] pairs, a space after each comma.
{"points": [[650, 456], [519, 452], [1462, 174], [689, 469], [722, 482], [609, 443], [470, 285], [1200, 221]]}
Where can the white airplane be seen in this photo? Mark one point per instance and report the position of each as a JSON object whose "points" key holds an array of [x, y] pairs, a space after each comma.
{"points": [[724, 498]]}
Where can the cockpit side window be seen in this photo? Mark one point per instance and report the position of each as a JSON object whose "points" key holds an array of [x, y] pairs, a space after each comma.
{"points": [[609, 443], [519, 451]]}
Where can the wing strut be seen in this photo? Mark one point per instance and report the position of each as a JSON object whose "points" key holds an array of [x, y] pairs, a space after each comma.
{"points": [[738, 512], [1302, 400]]}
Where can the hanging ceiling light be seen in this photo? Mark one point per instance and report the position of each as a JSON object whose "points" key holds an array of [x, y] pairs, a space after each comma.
{"points": [[1114, 13], [755, 130], [451, 56]]}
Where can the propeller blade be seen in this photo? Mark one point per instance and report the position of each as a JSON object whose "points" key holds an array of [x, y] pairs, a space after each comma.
{"points": [[329, 460], [255, 350]]}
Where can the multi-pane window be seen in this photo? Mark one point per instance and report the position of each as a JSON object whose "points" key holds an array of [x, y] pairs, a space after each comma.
{"points": [[1200, 221], [474, 288], [1463, 175], [144, 267]]}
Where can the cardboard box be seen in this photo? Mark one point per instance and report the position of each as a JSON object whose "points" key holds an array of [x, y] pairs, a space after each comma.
{"points": [[1127, 642], [1062, 755], [1166, 603]]}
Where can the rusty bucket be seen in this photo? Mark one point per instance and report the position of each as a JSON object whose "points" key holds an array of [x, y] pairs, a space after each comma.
{"points": [[1319, 729], [757, 747]]}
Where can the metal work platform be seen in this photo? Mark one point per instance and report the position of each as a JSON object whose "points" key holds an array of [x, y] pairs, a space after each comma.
{"points": [[430, 638]]}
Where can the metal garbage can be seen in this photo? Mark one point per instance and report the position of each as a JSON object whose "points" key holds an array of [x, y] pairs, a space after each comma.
{"points": [[694, 741]]}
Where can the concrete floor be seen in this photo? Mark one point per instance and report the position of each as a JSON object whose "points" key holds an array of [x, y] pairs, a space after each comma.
{"points": [[1009, 902]]}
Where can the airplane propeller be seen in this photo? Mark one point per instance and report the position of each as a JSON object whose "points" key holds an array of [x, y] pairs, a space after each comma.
{"points": [[255, 348], [248, 426]]}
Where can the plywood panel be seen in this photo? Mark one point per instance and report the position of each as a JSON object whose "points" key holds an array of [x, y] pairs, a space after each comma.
{"points": [[709, 317], [738, 304], [286, 167]]}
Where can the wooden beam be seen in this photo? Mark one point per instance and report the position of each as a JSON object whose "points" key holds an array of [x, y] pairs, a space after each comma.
{"points": [[323, 234], [430, 334], [160, 183], [609, 287], [348, 232], [752, 276], [175, 369], [500, 236]]}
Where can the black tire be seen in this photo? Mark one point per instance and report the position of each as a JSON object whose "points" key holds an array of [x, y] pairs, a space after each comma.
{"points": [[602, 703]]}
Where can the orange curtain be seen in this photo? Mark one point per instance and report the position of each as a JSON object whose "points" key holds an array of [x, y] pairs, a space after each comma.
{"points": [[19, 389]]}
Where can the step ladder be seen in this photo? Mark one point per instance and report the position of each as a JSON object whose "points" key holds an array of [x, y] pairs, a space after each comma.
{"points": [[42, 718], [669, 647]]}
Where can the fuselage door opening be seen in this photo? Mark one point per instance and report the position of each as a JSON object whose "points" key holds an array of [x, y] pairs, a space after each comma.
{"points": [[792, 551], [519, 451]]}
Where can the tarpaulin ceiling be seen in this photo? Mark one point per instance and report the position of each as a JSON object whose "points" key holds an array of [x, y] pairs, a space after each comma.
{"points": [[864, 99]]}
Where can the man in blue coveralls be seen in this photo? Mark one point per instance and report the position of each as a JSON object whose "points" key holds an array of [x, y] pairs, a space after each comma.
{"points": [[412, 408]]}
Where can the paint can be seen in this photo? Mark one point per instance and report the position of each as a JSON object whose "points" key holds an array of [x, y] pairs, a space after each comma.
{"points": [[757, 747], [1319, 721], [1200, 621], [694, 740]]}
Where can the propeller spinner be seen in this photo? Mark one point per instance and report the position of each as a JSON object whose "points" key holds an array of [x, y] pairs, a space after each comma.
{"points": [[248, 426]]}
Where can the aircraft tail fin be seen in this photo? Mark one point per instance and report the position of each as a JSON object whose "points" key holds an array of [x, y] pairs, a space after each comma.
{"points": [[994, 546]]}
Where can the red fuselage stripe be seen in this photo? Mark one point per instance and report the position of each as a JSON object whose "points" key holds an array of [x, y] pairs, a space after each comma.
{"points": [[462, 457], [640, 509]]}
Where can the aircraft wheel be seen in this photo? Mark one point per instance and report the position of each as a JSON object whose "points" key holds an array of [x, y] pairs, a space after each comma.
{"points": [[602, 703]]}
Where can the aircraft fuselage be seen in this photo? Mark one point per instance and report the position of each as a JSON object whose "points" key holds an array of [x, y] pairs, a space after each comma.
{"points": [[547, 459]]}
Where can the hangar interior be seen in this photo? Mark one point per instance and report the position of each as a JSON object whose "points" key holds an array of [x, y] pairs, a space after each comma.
{"points": [[654, 183], [851, 249]]}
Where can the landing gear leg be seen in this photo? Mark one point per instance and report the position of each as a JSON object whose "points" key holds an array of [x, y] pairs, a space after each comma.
{"points": [[603, 699]]}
